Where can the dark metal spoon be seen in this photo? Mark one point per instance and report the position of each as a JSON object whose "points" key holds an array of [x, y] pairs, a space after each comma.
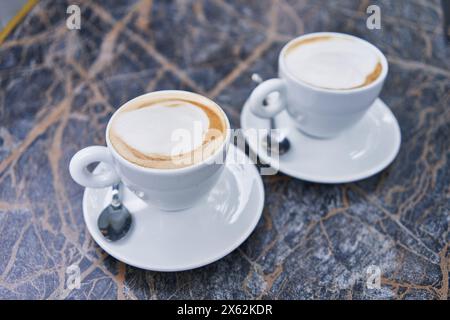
{"points": [[272, 139], [115, 220]]}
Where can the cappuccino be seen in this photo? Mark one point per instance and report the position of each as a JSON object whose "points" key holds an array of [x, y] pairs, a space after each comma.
{"points": [[168, 130], [333, 62]]}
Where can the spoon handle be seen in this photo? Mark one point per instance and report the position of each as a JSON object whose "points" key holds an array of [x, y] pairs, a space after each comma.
{"points": [[116, 202], [272, 123]]}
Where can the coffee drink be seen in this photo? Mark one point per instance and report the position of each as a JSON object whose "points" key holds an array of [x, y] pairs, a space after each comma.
{"points": [[168, 130], [333, 62], [327, 82], [168, 147]]}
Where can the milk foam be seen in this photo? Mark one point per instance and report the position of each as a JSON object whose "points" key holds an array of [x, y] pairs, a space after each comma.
{"points": [[156, 129], [331, 62]]}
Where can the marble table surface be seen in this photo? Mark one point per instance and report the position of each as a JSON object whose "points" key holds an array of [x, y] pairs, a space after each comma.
{"points": [[58, 87]]}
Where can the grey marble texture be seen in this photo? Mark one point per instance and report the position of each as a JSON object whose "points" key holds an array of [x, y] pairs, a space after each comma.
{"points": [[58, 88]]}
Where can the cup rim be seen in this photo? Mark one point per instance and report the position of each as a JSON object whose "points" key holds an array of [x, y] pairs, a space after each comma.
{"points": [[380, 79], [204, 162]]}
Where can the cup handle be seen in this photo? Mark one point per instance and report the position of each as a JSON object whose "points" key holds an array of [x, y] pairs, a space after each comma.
{"points": [[261, 93], [83, 158]]}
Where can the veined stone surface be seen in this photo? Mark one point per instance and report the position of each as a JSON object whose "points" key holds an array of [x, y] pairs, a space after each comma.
{"points": [[58, 88]]}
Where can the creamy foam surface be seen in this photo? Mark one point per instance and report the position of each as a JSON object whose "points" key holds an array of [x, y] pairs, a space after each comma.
{"points": [[333, 62], [153, 130], [167, 132]]}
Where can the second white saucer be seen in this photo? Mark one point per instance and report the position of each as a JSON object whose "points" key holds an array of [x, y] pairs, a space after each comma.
{"points": [[358, 153], [175, 241]]}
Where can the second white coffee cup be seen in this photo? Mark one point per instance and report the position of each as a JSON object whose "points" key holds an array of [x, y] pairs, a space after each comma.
{"points": [[316, 111]]}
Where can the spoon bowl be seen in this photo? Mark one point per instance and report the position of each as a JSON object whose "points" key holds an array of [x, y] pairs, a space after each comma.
{"points": [[115, 220]]}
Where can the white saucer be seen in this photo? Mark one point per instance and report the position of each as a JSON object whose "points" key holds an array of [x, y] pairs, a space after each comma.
{"points": [[358, 153], [175, 241]]}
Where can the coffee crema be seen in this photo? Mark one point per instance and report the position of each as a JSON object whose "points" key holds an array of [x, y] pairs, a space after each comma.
{"points": [[333, 62], [168, 130]]}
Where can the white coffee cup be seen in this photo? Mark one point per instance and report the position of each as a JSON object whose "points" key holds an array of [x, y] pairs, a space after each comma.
{"points": [[167, 189], [319, 112]]}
